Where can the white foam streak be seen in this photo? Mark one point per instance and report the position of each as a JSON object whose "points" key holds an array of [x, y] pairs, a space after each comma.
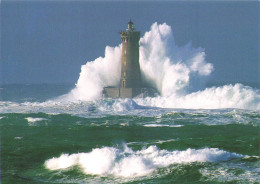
{"points": [[33, 120], [128, 163], [162, 125]]}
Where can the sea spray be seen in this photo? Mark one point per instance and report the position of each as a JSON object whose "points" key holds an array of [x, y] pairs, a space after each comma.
{"points": [[96, 75], [168, 67], [178, 73], [164, 66]]}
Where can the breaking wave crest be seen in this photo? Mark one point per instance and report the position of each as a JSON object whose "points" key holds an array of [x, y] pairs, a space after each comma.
{"points": [[228, 96], [128, 163], [178, 73]]}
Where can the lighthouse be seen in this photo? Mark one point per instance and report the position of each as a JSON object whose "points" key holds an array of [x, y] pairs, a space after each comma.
{"points": [[130, 67], [131, 84]]}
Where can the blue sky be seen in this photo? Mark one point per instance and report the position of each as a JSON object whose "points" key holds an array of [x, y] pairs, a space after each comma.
{"points": [[48, 41]]}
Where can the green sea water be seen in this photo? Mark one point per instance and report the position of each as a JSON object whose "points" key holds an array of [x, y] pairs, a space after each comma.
{"points": [[120, 141], [27, 142]]}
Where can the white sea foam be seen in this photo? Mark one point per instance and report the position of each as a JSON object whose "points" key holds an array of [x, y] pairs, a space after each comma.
{"points": [[228, 173], [228, 96], [33, 120], [128, 163], [152, 143], [118, 105], [164, 141]]}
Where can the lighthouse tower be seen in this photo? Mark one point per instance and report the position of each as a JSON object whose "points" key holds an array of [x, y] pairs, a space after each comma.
{"points": [[130, 82], [130, 68]]}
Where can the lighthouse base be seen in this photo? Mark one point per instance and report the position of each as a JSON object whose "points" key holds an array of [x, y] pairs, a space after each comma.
{"points": [[112, 92]]}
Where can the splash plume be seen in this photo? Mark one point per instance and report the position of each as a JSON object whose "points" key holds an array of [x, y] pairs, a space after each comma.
{"points": [[178, 73]]}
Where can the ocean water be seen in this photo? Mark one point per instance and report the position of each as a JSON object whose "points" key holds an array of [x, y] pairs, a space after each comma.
{"points": [[121, 141], [189, 133]]}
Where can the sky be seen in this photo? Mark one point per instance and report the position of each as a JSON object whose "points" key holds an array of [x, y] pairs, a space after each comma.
{"points": [[48, 41]]}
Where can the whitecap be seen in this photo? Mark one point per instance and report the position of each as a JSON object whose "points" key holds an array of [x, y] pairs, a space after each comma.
{"points": [[129, 163], [33, 120]]}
